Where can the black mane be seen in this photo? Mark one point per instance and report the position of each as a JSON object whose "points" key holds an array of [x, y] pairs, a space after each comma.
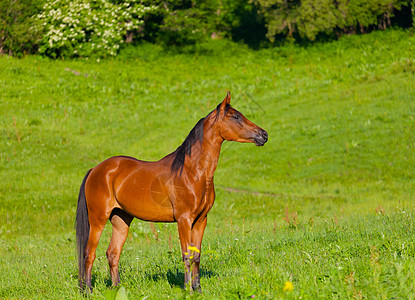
{"points": [[196, 134]]}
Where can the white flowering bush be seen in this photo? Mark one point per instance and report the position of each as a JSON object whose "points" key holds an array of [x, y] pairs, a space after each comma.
{"points": [[85, 28]]}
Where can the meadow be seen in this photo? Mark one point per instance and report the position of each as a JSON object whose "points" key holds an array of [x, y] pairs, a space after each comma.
{"points": [[327, 204]]}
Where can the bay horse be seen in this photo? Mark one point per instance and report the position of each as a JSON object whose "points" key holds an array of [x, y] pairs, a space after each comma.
{"points": [[177, 188]]}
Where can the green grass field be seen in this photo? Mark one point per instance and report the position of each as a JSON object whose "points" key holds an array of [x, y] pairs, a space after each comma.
{"points": [[327, 203]]}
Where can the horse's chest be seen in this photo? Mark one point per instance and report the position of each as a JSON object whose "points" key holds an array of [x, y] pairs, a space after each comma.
{"points": [[205, 202], [195, 200]]}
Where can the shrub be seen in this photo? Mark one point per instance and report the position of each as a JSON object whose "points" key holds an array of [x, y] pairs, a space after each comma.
{"points": [[309, 18], [189, 22], [83, 28], [184, 26], [413, 12], [18, 31]]}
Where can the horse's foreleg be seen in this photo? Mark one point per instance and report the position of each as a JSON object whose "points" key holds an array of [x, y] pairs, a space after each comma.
{"points": [[197, 235], [120, 221], [185, 226]]}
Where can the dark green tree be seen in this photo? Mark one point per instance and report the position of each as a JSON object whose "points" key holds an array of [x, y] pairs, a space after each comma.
{"points": [[19, 33], [309, 18], [187, 22]]}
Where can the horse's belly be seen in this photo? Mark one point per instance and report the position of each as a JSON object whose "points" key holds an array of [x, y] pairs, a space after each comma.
{"points": [[145, 198], [147, 208]]}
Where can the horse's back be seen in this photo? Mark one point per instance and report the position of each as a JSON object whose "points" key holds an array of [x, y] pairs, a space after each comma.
{"points": [[135, 186]]}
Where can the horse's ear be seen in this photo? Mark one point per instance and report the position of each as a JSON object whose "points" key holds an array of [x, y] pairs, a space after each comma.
{"points": [[225, 102], [227, 99]]}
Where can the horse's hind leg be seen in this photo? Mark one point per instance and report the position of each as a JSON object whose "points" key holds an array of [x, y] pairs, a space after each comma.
{"points": [[95, 232], [120, 221]]}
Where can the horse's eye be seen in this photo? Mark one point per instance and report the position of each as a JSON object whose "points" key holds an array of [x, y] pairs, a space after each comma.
{"points": [[236, 117]]}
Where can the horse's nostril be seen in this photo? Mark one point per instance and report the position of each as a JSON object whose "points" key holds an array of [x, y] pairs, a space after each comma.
{"points": [[264, 134], [261, 137]]}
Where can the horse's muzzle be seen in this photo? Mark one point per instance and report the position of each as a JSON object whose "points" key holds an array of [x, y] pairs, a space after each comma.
{"points": [[261, 138]]}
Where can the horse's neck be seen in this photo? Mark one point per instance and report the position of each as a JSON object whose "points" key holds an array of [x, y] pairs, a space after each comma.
{"points": [[211, 152], [205, 156]]}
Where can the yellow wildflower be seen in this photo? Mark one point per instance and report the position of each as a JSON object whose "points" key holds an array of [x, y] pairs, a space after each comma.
{"points": [[191, 248], [186, 253], [288, 287]]}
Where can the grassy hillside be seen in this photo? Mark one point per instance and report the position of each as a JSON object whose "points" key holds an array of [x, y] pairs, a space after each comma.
{"points": [[326, 204]]}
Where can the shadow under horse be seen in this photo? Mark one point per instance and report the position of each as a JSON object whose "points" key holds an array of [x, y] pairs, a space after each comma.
{"points": [[177, 188]]}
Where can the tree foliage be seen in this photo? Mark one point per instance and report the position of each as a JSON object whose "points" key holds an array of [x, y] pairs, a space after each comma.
{"points": [[83, 28], [191, 21], [413, 12], [309, 18], [18, 34]]}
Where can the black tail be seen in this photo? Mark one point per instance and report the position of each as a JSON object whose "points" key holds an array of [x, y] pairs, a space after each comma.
{"points": [[82, 230]]}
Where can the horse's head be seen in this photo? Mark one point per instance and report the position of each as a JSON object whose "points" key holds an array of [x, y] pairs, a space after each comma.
{"points": [[233, 126]]}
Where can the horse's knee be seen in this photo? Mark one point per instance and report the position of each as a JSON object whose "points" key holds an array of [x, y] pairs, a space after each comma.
{"points": [[196, 258]]}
